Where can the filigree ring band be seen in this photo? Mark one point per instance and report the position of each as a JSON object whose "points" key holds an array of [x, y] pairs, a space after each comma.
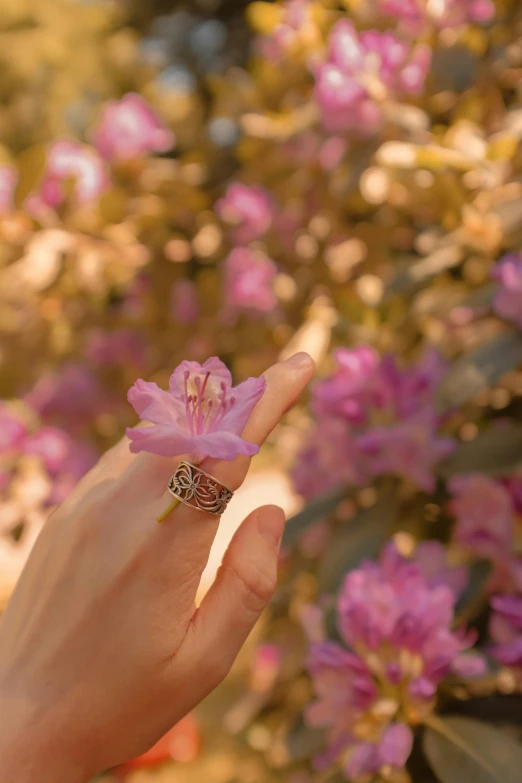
{"points": [[199, 490]]}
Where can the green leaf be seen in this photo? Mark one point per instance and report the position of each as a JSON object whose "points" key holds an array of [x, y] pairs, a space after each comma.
{"points": [[479, 370], [496, 451], [462, 749], [474, 592], [362, 538], [313, 512]]}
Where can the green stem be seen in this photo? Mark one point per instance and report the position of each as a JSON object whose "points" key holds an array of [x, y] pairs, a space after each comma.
{"points": [[164, 514]]}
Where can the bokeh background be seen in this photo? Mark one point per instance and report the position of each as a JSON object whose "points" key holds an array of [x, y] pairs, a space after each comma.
{"points": [[247, 180]]}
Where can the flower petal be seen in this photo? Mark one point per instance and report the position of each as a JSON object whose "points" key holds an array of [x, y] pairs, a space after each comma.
{"points": [[363, 761], [165, 440], [469, 665], [153, 404], [223, 445], [396, 745], [247, 394], [218, 372]]}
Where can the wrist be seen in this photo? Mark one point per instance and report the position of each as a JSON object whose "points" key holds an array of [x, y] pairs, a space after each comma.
{"points": [[32, 749]]}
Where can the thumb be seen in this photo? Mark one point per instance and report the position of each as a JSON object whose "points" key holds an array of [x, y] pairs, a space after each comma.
{"points": [[242, 588]]}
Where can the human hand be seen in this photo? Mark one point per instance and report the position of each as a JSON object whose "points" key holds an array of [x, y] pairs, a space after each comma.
{"points": [[101, 647]]}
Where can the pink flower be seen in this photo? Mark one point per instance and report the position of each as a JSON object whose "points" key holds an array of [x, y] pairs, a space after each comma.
{"points": [[412, 389], [51, 445], [296, 24], [248, 281], [119, 347], [484, 513], [327, 460], [65, 459], [71, 394], [8, 179], [184, 304], [508, 300], [247, 209], [430, 558], [200, 414], [345, 691], [353, 388], [442, 13], [384, 414], [68, 161], [361, 72], [470, 665], [398, 645], [390, 604], [410, 449], [506, 629], [364, 384], [128, 128]]}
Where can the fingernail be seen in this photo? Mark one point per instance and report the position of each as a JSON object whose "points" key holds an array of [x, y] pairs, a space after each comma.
{"points": [[271, 527], [300, 360]]}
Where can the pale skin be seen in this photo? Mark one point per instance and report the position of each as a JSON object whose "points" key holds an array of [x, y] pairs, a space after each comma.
{"points": [[102, 648]]}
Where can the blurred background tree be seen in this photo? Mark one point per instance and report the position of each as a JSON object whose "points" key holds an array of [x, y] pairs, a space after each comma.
{"points": [[250, 179]]}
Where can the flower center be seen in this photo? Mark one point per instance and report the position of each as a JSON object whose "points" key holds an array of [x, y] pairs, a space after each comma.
{"points": [[205, 403]]}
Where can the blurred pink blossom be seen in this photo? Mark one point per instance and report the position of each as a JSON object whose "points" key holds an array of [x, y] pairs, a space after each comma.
{"points": [[441, 13], [184, 305], [363, 71], [484, 512], [8, 179], [409, 449], [70, 394], [332, 152], [201, 414], [248, 281], [68, 161], [431, 558], [508, 300], [411, 389], [51, 445], [63, 459], [384, 415], [388, 615], [129, 128], [248, 209], [296, 15], [117, 347], [506, 629], [390, 604], [353, 388], [327, 460]]}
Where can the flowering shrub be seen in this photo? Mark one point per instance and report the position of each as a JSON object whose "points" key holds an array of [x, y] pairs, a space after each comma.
{"points": [[399, 626], [351, 188]]}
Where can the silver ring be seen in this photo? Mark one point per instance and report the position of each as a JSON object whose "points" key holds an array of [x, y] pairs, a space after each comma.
{"points": [[199, 490]]}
